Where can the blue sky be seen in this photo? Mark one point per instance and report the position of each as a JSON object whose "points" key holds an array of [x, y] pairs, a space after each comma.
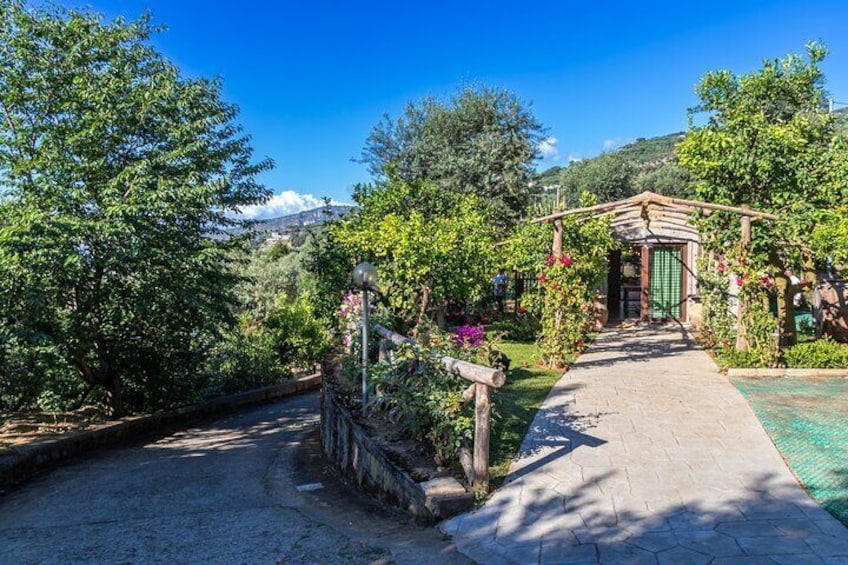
{"points": [[312, 78]]}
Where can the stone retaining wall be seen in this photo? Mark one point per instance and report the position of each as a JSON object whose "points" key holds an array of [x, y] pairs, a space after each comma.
{"points": [[31, 459], [347, 445]]}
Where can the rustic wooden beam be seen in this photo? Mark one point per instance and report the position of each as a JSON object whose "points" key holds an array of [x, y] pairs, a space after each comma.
{"points": [[650, 198], [645, 281], [741, 326], [557, 245], [468, 371], [482, 430], [466, 460]]}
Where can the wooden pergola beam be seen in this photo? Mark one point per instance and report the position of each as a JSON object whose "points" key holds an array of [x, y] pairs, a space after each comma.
{"points": [[651, 198]]}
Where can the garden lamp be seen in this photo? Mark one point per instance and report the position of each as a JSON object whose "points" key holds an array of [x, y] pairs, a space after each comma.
{"points": [[365, 278]]}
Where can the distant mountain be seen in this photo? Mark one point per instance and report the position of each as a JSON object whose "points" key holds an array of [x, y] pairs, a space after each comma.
{"points": [[315, 216]]}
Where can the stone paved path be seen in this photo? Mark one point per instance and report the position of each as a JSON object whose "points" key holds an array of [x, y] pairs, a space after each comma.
{"points": [[644, 453], [225, 491]]}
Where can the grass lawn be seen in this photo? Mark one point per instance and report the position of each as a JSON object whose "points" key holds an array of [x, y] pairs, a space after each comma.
{"points": [[516, 404]]}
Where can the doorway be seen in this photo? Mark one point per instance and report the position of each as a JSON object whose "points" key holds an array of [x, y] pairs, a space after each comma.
{"points": [[665, 291]]}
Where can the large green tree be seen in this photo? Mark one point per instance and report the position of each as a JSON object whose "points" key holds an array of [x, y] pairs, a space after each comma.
{"points": [[766, 142], [483, 141], [118, 176], [429, 246]]}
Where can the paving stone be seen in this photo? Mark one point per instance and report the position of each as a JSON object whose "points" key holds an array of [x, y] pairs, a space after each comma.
{"points": [[654, 541], [773, 545], [709, 543], [743, 560], [680, 555], [569, 554], [803, 559], [748, 529], [828, 546], [620, 554], [649, 457]]}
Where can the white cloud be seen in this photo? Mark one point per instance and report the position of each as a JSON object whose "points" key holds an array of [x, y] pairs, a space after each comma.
{"points": [[610, 144], [573, 158], [286, 202], [548, 148]]}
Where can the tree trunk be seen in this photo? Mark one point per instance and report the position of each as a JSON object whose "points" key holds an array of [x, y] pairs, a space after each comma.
{"points": [[422, 313], [115, 394], [785, 309]]}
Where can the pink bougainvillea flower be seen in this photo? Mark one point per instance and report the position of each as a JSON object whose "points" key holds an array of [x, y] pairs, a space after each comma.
{"points": [[739, 281], [566, 261], [720, 267], [550, 260]]}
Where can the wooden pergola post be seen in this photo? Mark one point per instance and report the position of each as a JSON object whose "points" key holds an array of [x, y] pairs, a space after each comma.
{"points": [[741, 328], [557, 247]]}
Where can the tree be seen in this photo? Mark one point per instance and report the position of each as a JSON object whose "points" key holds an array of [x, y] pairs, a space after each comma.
{"points": [[120, 177], [667, 178], [608, 178], [483, 141], [764, 144], [429, 246]]}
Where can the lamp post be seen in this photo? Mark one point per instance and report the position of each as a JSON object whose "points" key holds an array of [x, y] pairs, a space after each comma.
{"points": [[365, 278]]}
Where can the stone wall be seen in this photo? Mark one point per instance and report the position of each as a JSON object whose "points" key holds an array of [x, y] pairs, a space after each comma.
{"points": [[347, 445]]}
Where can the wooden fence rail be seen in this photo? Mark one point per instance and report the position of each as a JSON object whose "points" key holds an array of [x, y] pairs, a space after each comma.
{"points": [[483, 379]]}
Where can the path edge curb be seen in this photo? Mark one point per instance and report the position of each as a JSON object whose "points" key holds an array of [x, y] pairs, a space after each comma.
{"points": [[799, 373], [33, 459]]}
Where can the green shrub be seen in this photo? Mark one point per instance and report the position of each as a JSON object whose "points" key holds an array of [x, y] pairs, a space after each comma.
{"points": [[267, 349], [520, 328], [417, 393], [731, 358], [821, 354]]}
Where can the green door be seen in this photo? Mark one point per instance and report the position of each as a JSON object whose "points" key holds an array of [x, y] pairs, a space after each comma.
{"points": [[666, 278]]}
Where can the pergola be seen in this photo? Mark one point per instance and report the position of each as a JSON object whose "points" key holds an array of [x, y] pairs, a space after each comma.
{"points": [[649, 217]]}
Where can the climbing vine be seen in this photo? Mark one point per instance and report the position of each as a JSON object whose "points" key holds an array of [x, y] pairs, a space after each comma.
{"points": [[569, 285]]}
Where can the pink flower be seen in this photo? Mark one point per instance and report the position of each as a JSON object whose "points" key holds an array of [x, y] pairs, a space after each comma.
{"points": [[541, 278], [739, 281], [721, 267], [550, 260], [565, 261]]}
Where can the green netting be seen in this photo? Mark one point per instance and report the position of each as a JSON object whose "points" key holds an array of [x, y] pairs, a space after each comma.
{"points": [[807, 420]]}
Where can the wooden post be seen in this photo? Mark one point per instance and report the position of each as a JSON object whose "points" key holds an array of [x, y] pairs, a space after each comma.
{"points": [[482, 428], [646, 281], [557, 248], [741, 328]]}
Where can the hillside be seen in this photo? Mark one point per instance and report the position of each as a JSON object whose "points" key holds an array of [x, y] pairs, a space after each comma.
{"points": [[301, 219], [650, 150], [643, 151]]}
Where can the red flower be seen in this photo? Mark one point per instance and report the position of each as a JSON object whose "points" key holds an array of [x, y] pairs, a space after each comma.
{"points": [[541, 278], [720, 267], [739, 281], [565, 261], [550, 260]]}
